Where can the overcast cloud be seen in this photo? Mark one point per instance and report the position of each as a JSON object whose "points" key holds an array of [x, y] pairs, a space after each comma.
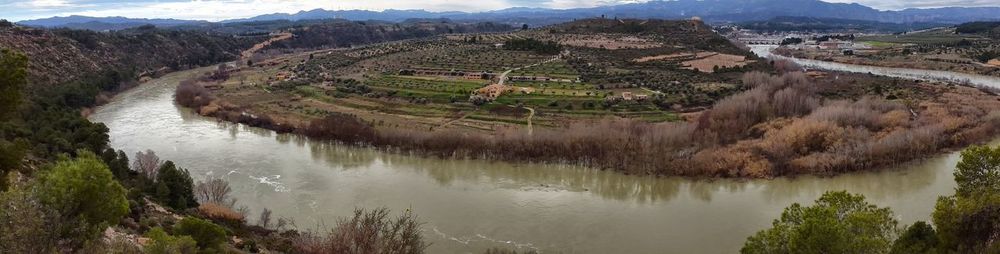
{"points": [[215, 10]]}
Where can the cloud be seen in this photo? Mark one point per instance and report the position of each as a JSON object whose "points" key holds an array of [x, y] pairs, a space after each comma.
{"points": [[49, 4], [568, 4]]}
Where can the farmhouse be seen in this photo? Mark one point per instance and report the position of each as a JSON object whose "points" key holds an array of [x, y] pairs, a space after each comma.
{"points": [[492, 91]]}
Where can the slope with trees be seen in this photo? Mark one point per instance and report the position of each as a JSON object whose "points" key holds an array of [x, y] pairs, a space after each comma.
{"points": [[60, 56]]}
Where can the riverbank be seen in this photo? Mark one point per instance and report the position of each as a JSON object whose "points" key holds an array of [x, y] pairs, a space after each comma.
{"points": [[826, 123]]}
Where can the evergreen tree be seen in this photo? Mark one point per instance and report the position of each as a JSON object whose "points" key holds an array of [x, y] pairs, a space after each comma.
{"points": [[174, 187]]}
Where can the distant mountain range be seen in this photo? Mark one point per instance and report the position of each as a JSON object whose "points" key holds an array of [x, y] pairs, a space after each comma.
{"points": [[790, 24], [104, 23], [709, 10]]}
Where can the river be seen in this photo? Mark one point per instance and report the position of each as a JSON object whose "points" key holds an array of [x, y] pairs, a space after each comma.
{"points": [[470, 205], [916, 74]]}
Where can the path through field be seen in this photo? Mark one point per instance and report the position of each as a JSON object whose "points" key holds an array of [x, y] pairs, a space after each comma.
{"points": [[530, 115], [280, 37], [446, 124]]}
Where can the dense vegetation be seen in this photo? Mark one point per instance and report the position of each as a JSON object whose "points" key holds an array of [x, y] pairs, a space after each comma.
{"points": [[966, 222], [540, 47], [985, 28], [70, 55]]}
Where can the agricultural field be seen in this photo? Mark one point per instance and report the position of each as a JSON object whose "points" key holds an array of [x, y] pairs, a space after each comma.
{"points": [[545, 77]]}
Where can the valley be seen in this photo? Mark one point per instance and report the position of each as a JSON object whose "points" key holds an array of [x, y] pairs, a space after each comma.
{"points": [[728, 126]]}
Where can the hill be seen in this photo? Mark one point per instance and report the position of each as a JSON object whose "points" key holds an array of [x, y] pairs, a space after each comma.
{"points": [[102, 23], [62, 55], [991, 29], [786, 23]]}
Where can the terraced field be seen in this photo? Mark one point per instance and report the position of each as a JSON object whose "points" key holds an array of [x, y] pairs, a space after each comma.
{"points": [[439, 82]]}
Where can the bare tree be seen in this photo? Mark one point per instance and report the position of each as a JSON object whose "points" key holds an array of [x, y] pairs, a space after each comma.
{"points": [[214, 191], [243, 210], [265, 218], [147, 164], [368, 231]]}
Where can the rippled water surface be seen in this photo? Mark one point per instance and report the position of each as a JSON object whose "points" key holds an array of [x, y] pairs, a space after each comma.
{"points": [[470, 205]]}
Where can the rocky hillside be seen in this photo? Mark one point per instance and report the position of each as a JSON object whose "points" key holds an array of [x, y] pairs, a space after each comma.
{"points": [[62, 55]]}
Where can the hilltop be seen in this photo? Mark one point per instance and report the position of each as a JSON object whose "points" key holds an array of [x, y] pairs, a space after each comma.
{"points": [[103, 23], [62, 55]]}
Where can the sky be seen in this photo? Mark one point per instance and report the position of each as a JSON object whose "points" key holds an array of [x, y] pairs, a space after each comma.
{"points": [[214, 10]]}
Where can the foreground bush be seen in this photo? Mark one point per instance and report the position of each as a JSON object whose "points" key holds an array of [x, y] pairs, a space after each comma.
{"points": [[163, 243], [918, 238], [207, 234], [368, 232], [969, 221], [85, 194], [839, 222], [27, 225]]}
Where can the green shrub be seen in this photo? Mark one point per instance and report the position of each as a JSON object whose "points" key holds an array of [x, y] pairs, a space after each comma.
{"points": [[838, 223], [968, 221], [85, 194], [918, 238], [207, 234], [26, 225], [11, 154], [163, 243]]}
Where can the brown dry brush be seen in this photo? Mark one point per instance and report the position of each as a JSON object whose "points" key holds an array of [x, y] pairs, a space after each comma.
{"points": [[780, 126], [191, 94], [216, 191], [147, 164], [368, 231]]}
